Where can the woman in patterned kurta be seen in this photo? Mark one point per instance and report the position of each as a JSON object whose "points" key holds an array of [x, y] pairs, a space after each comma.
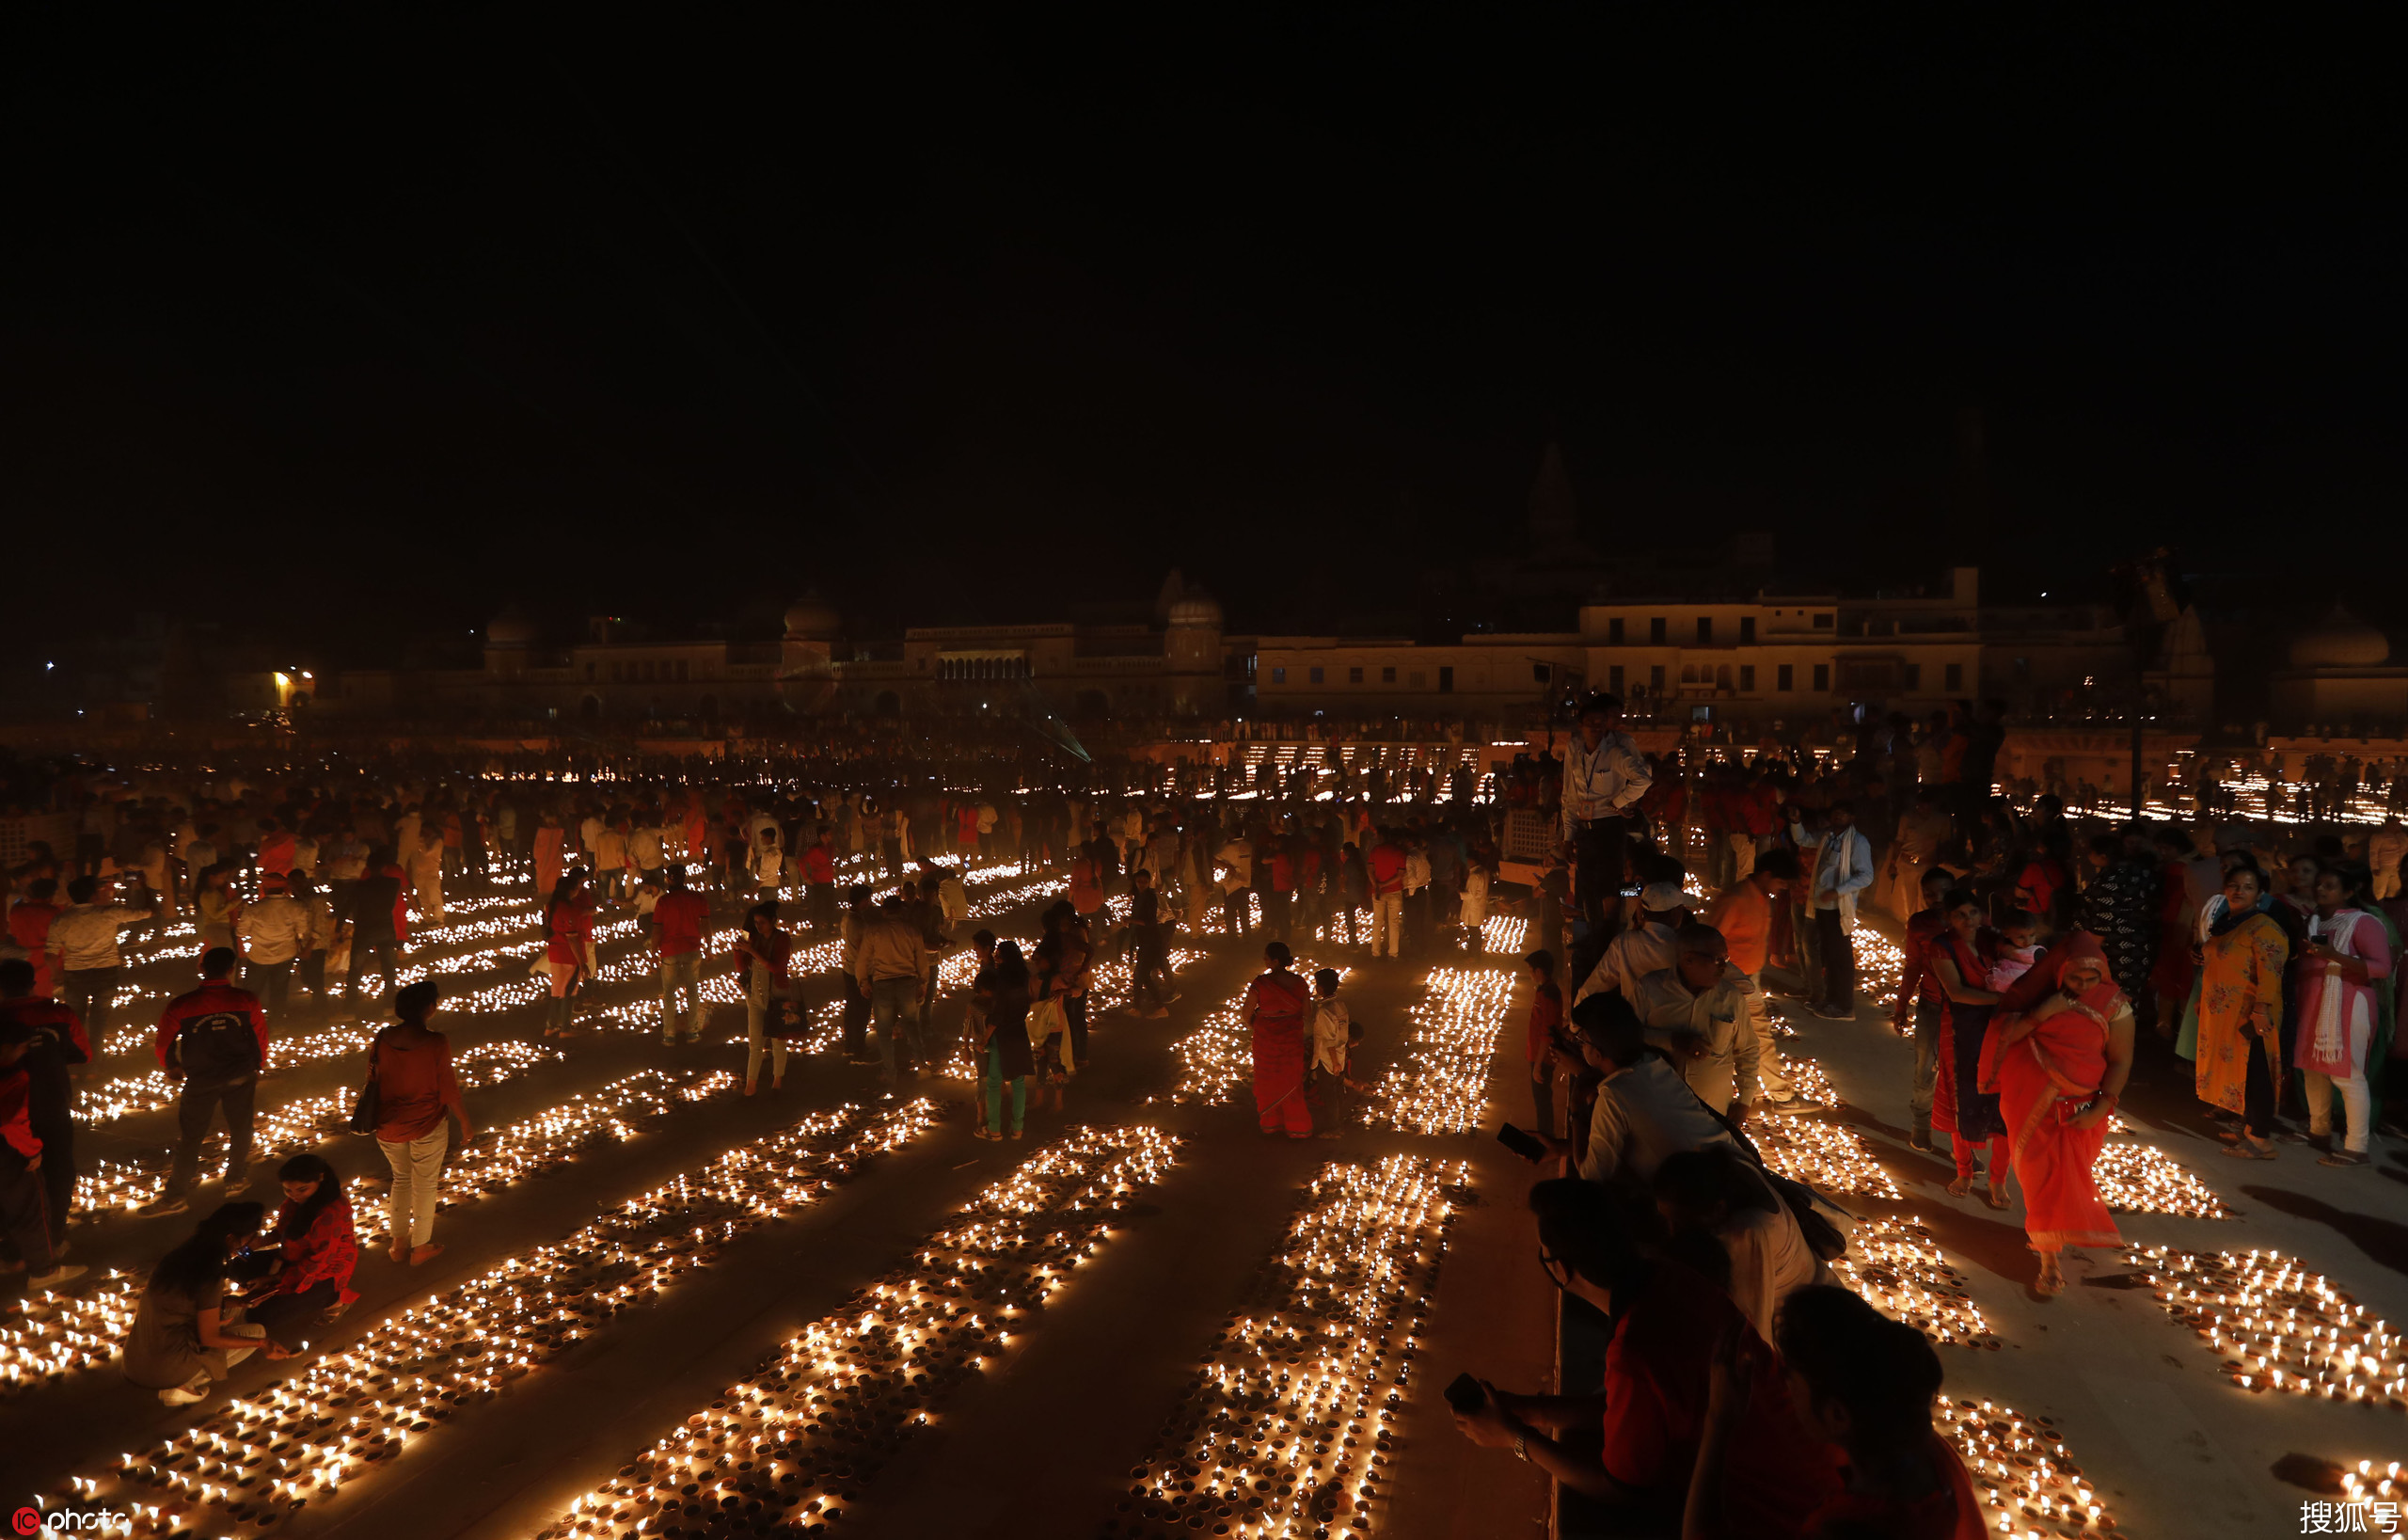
{"points": [[2241, 1011]]}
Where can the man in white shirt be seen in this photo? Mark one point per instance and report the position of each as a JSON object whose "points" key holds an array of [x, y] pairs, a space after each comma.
{"points": [[1640, 950], [1644, 1110], [273, 933], [84, 956], [1842, 868], [1604, 777]]}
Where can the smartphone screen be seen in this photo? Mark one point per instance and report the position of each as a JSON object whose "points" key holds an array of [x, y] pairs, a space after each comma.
{"points": [[1520, 1143]]}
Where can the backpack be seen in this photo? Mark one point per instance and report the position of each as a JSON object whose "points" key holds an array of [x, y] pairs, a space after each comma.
{"points": [[217, 1045]]}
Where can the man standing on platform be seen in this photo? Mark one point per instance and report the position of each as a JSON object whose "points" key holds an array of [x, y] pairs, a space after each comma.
{"points": [[1604, 777]]}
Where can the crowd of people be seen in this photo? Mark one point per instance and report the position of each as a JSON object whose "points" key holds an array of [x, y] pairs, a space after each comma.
{"points": [[2048, 967]]}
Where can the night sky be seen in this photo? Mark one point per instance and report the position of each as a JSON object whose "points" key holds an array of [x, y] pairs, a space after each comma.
{"points": [[355, 326]]}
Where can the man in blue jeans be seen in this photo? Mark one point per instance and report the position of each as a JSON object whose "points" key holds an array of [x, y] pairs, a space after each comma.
{"points": [[892, 972]]}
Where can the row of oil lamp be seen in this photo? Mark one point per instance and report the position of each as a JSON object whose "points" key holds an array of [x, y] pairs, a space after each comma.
{"points": [[120, 1186], [256, 1460], [62, 1333], [125, 1096], [1440, 1084], [1286, 1428], [2278, 1325], [791, 1445]]}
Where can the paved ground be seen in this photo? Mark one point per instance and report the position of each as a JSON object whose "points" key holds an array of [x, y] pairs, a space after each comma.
{"points": [[1042, 1445], [2145, 1405], [1044, 1442]]}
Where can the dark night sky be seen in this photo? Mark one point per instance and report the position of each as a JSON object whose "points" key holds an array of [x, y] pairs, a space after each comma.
{"points": [[363, 323]]}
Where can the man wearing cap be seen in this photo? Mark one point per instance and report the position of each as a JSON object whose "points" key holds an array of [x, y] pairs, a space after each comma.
{"points": [[1604, 777], [1641, 949]]}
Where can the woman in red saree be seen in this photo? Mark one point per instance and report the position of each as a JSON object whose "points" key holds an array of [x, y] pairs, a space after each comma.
{"points": [[2058, 1053], [1278, 1005]]}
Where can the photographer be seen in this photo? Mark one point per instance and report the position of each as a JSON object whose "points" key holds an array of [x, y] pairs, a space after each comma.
{"points": [[183, 1336]]}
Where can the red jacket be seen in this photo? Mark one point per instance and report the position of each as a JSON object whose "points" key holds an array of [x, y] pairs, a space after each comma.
{"points": [[325, 1253], [818, 865], [211, 999]]}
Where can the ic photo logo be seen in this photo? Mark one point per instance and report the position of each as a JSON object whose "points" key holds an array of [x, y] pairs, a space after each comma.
{"points": [[65, 1521]]}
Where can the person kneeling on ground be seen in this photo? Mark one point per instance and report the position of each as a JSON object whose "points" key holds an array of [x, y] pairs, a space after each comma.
{"points": [[184, 1336], [316, 1252]]}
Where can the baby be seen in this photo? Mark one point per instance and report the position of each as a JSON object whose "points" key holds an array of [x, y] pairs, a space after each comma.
{"points": [[2017, 948]]}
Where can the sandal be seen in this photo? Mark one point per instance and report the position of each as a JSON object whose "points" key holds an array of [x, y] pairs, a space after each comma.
{"points": [[2248, 1149], [2343, 1158], [1996, 1197]]}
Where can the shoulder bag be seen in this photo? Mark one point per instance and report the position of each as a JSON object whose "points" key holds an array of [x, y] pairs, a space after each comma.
{"points": [[363, 1112]]}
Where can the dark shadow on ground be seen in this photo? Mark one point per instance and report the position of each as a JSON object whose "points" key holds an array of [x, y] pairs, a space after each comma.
{"points": [[2384, 1241]]}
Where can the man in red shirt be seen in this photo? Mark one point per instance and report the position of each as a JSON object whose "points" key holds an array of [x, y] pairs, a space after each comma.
{"points": [[678, 921], [213, 1039], [1387, 895], [58, 1041], [29, 928], [24, 1210]]}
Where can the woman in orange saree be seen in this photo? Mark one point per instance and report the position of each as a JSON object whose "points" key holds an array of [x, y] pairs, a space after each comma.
{"points": [[2058, 1053]]}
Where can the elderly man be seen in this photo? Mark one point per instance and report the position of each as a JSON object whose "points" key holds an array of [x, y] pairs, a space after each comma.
{"points": [[1697, 1012], [1641, 949]]}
